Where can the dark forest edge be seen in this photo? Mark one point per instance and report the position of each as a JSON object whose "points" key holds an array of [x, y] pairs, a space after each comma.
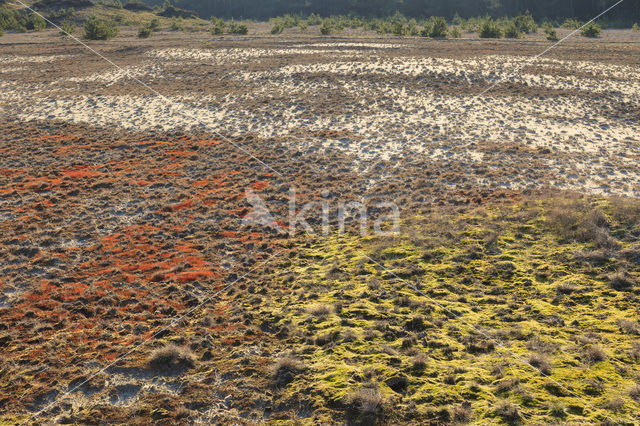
{"points": [[623, 15]]}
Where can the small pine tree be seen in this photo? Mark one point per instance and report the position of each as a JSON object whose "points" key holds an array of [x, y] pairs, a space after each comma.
{"points": [[552, 34], [35, 22], [66, 28], [439, 27], [512, 31], [217, 26], [591, 30], [490, 29], [98, 29], [145, 31], [635, 27], [278, 28], [326, 27], [236, 28]]}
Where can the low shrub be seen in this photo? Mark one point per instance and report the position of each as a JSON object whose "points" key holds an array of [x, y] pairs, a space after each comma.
{"points": [[237, 28], [277, 28], [621, 281], [67, 27], [591, 30], [490, 29], [512, 31], [177, 24], [508, 412], [552, 34], [10, 19], [439, 27], [455, 32], [35, 23], [98, 29], [525, 24], [326, 28], [571, 24], [635, 27], [541, 363], [218, 26], [145, 31]]}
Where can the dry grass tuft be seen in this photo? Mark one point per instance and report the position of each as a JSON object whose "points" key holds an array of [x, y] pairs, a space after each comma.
{"points": [[172, 357], [366, 402], [285, 369]]}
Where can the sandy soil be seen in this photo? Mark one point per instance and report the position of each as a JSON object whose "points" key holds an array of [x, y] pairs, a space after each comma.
{"points": [[386, 98], [120, 209]]}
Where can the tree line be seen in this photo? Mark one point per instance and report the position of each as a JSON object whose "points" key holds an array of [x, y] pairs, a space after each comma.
{"points": [[627, 12]]}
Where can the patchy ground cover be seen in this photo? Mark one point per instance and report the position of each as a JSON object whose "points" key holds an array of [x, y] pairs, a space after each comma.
{"points": [[525, 312], [503, 298]]}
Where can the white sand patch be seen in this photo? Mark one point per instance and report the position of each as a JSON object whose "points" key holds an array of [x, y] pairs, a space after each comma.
{"points": [[115, 75], [353, 45], [226, 56], [10, 59], [381, 113]]}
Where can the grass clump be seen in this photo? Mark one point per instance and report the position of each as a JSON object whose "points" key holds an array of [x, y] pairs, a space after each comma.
{"points": [[366, 404], [508, 412], [285, 369], [490, 29], [593, 354], [622, 281], [591, 30], [320, 311], [171, 357], [99, 29]]}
